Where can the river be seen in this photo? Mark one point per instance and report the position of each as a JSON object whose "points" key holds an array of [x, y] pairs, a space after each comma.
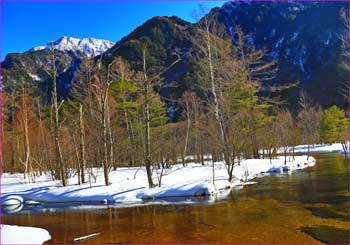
{"points": [[306, 206]]}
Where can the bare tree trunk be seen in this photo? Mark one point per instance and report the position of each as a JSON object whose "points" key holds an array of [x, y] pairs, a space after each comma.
{"points": [[110, 138], [285, 156], [130, 136], [26, 136], [147, 126], [78, 159], [18, 148], [43, 138], [196, 151], [26, 140], [12, 150], [230, 169], [217, 113], [187, 132], [55, 172], [213, 172], [254, 143], [82, 145], [105, 149], [59, 158], [105, 129], [13, 137], [345, 147]]}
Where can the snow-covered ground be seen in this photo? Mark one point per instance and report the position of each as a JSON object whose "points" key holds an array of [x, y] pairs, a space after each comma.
{"points": [[13, 234], [129, 185], [322, 148]]}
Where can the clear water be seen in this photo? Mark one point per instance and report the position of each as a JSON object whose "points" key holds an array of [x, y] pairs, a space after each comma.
{"points": [[307, 206]]}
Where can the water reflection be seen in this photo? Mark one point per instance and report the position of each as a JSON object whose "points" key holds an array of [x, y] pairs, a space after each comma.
{"points": [[78, 206], [12, 209], [327, 234], [279, 209]]}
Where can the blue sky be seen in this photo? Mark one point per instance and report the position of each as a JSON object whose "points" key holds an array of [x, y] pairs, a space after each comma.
{"points": [[29, 24]]}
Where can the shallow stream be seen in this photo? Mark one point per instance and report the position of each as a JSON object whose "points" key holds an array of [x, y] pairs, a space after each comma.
{"points": [[305, 206]]}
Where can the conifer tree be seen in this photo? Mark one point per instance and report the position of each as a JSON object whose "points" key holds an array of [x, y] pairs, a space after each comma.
{"points": [[333, 127]]}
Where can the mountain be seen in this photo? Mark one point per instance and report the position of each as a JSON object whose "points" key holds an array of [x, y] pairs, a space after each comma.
{"points": [[303, 38], [165, 38], [88, 46], [31, 66]]}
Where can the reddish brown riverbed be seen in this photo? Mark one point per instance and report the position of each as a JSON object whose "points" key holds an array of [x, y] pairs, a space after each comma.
{"points": [[309, 206]]}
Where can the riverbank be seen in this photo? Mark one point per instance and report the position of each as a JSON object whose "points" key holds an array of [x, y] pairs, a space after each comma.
{"points": [[321, 148], [129, 185]]}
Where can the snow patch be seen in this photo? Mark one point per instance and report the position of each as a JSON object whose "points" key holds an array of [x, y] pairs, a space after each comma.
{"points": [[13, 234], [301, 65], [38, 48], [294, 36], [90, 46], [129, 185], [279, 42], [326, 42], [11, 200], [34, 77], [321, 148]]}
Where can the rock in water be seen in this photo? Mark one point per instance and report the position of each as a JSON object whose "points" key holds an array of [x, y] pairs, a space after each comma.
{"points": [[31, 203]]}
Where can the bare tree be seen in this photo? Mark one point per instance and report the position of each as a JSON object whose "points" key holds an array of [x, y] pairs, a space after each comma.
{"points": [[207, 44], [191, 103], [82, 145], [234, 76], [22, 121], [56, 127], [100, 90], [147, 90], [285, 126], [147, 142], [309, 121]]}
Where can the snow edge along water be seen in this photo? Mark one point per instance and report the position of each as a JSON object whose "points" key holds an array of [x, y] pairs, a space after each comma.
{"points": [[129, 185]]}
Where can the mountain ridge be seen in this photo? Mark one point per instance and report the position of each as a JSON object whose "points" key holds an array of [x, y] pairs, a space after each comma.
{"points": [[89, 46], [302, 37]]}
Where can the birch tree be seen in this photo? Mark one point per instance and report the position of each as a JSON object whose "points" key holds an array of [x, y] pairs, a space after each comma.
{"points": [[56, 126], [234, 74], [100, 90], [149, 97]]}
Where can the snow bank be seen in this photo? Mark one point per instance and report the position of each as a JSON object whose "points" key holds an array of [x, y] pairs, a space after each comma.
{"points": [[11, 200], [204, 188], [129, 185], [13, 234], [321, 148]]}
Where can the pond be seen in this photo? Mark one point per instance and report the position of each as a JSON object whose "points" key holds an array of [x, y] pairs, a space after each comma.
{"points": [[306, 206]]}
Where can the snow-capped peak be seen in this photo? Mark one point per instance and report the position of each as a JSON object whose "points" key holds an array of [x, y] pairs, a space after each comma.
{"points": [[90, 46]]}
